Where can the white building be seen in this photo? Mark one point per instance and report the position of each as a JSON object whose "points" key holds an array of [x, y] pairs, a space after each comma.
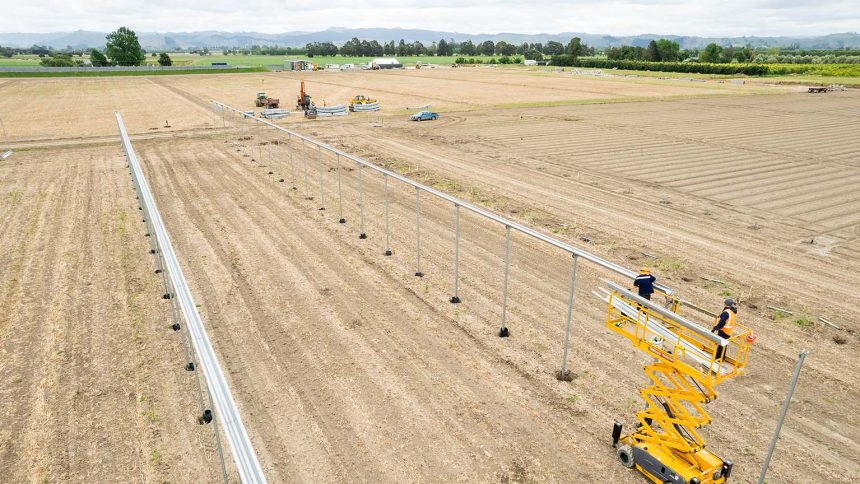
{"points": [[384, 63]]}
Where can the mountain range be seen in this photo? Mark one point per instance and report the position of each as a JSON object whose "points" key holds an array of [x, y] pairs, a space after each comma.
{"points": [[216, 39]]}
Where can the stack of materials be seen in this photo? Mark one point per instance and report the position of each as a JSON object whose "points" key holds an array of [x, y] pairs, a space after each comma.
{"points": [[339, 110], [274, 113], [374, 106]]}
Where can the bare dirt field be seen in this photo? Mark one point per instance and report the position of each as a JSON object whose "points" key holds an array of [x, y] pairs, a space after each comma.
{"points": [[346, 367], [91, 380]]}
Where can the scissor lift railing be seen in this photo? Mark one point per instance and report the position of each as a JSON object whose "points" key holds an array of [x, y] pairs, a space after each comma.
{"points": [[689, 363]]}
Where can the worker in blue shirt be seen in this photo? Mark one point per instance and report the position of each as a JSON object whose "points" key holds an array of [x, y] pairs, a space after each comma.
{"points": [[645, 282]]}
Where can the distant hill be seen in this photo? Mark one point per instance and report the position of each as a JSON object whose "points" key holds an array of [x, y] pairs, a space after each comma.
{"points": [[216, 39]]}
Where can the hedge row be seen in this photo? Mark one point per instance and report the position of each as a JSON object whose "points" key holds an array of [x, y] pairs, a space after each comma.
{"points": [[693, 67]]}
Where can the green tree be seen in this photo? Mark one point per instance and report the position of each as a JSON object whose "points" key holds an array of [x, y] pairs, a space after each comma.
{"points": [[468, 48], [164, 60], [98, 59], [711, 53], [123, 47], [444, 48], [651, 52], [553, 48], [668, 50], [487, 48], [575, 47]]}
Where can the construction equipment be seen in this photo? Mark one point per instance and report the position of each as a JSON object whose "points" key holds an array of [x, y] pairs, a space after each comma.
{"points": [[264, 101], [304, 100], [363, 103], [360, 99], [689, 362]]}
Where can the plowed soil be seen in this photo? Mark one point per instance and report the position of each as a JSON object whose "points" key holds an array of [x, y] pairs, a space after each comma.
{"points": [[348, 367]]}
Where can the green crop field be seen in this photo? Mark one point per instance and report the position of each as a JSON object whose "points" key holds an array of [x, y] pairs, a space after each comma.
{"points": [[20, 61]]}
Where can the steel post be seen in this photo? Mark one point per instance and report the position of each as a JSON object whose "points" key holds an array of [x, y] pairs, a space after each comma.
{"points": [[290, 149], [387, 227], [322, 194], [362, 234], [305, 165], [418, 233], [782, 413], [339, 195], [456, 297], [281, 163], [570, 297], [503, 332]]}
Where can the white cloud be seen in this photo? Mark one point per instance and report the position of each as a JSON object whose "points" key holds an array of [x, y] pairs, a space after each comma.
{"points": [[727, 18]]}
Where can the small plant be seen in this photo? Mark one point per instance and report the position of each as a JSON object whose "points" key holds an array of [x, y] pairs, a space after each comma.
{"points": [[804, 322], [668, 264], [17, 380], [572, 399], [156, 456], [778, 316], [151, 415]]}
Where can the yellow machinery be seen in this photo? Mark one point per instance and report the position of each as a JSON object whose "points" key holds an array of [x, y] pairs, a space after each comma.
{"points": [[360, 99], [689, 362]]}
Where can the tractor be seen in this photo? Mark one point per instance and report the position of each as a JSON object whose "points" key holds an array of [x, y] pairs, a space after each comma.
{"points": [[264, 101]]}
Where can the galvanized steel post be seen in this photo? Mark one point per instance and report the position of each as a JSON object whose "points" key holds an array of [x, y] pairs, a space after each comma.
{"points": [[322, 193], [339, 196], [456, 297], [503, 332], [290, 149], [782, 413], [563, 374], [387, 227], [362, 234], [418, 233], [281, 163], [305, 164]]}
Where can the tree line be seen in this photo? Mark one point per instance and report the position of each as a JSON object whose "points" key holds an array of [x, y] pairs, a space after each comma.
{"points": [[373, 48]]}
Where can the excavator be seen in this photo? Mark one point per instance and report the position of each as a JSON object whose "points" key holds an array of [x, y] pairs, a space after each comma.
{"points": [[304, 100], [689, 362]]}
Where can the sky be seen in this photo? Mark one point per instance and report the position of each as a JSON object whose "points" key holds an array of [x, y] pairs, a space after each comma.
{"points": [[616, 17]]}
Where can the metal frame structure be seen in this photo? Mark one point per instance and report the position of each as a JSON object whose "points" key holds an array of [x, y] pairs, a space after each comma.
{"points": [[510, 226], [225, 408]]}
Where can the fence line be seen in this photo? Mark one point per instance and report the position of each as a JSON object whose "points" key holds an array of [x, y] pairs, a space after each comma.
{"points": [[168, 265], [510, 226]]}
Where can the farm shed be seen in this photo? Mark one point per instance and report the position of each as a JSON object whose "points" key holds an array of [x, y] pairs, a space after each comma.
{"points": [[298, 65]]}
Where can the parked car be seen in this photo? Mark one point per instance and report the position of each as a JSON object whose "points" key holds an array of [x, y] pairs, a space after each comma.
{"points": [[424, 116]]}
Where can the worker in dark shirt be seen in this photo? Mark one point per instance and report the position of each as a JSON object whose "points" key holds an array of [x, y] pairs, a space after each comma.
{"points": [[726, 323], [645, 282]]}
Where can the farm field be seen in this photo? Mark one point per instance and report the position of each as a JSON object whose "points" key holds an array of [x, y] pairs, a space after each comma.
{"points": [[91, 380], [347, 367]]}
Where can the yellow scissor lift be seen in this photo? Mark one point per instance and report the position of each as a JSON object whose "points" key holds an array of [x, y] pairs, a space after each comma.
{"points": [[666, 446]]}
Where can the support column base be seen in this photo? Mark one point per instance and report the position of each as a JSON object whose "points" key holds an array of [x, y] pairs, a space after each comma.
{"points": [[362, 236], [504, 333], [387, 253], [566, 375], [455, 300]]}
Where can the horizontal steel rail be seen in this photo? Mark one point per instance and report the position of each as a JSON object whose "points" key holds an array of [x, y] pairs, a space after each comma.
{"points": [[457, 202], [225, 407]]}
